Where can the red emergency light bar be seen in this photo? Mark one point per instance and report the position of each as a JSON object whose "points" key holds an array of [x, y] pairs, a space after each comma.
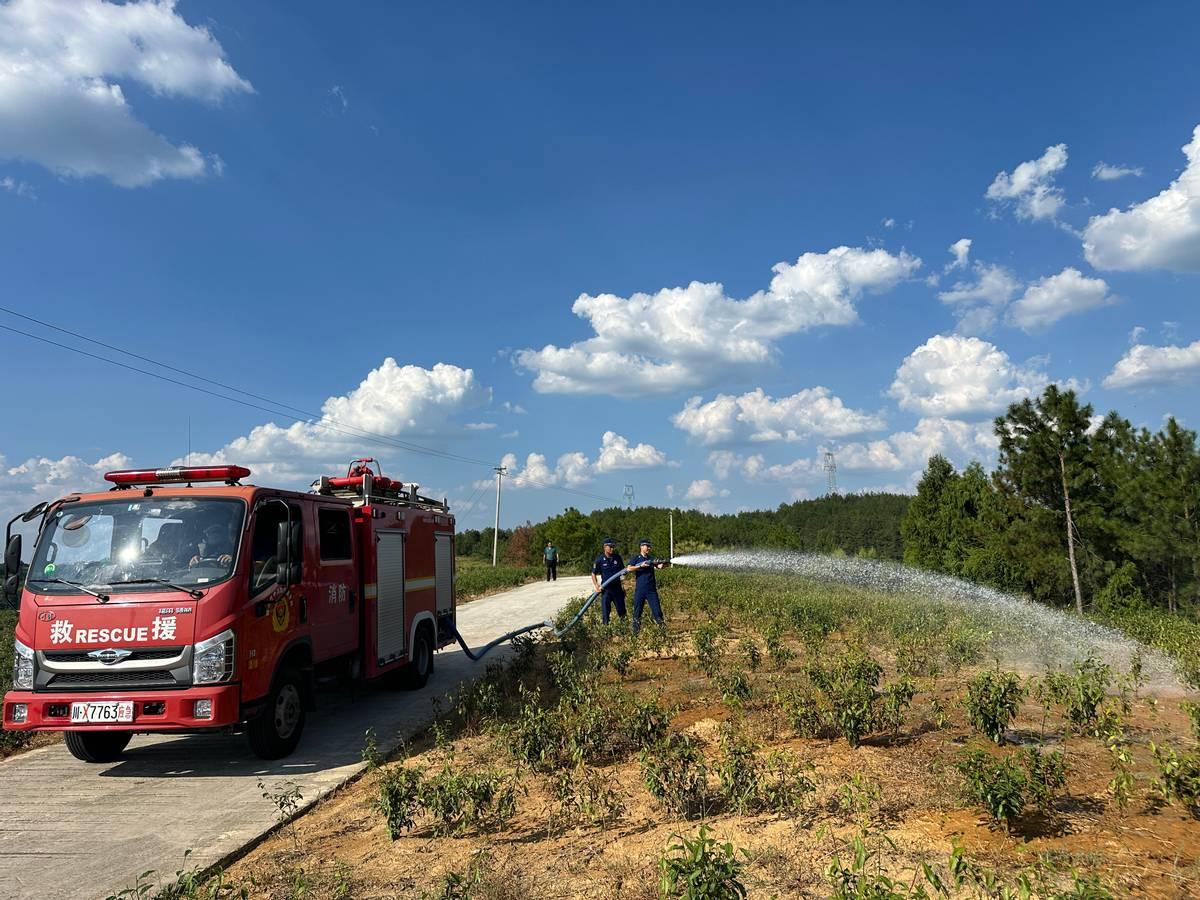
{"points": [[176, 475]]}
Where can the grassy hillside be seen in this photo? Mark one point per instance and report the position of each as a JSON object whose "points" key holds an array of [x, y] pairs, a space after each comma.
{"points": [[781, 738]]}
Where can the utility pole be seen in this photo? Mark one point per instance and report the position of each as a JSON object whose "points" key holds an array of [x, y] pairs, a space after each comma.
{"points": [[671, 542], [830, 467], [500, 471], [628, 496]]}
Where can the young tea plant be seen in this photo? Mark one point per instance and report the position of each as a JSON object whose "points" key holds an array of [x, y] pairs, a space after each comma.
{"points": [[998, 785], [286, 800], [1179, 778], [584, 795], [702, 868], [750, 654], [778, 651], [675, 773], [706, 643], [993, 698]]}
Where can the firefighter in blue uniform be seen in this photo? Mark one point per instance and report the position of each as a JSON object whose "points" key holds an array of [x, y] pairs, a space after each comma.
{"points": [[646, 590], [608, 564]]}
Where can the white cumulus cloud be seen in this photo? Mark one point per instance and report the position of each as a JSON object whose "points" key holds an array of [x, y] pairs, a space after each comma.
{"points": [[904, 451], [61, 102], [953, 375], [616, 454], [1160, 233], [690, 337], [977, 304], [1030, 187], [1050, 299], [393, 400], [36, 479], [755, 416], [1144, 365], [961, 250], [576, 468]]}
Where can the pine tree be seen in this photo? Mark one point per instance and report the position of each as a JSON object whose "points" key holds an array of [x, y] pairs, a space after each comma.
{"points": [[1045, 461], [924, 537]]}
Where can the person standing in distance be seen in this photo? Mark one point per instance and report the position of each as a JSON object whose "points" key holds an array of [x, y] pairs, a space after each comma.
{"points": [[608, 564], [551, 555], [647, 588]]}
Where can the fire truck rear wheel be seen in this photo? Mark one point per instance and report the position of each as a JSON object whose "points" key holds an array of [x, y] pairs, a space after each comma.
{"points": [[276, 732], [416, 673], [97, 746]]}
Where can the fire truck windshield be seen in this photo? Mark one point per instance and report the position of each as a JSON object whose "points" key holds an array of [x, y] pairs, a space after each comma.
{"points": [[140, 542]]}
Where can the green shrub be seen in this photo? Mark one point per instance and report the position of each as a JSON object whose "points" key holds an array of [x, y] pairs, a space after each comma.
{"points": [[750, 654], [748, 783], [998, 785], [855, 880], [895, 701], [585, 795], [993, 698], [457, 801], [805, 711], [454, 800], [779, 652], [1045, 775], [849, 687], [706, 642], [734, 687], [675, 773], [1005, 785], [398, 799], [1087, 689], [1193, 714], [1121, 593], [852, 705], [1179, 778], [858, 797], [702, 868], [739, 772]]}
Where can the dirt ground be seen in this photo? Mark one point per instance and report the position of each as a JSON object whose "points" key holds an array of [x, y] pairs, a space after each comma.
{"points": [[904, 791]]}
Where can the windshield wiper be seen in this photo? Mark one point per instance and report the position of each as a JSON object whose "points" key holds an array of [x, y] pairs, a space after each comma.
{"points": [[194, 593], [103, 598]]}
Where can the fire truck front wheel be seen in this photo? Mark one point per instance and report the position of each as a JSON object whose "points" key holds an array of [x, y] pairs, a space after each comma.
{"points": [[275, 733], [97, 746]]}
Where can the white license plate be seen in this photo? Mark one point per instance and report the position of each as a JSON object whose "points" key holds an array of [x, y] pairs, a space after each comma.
{"points": [[99, 713]]}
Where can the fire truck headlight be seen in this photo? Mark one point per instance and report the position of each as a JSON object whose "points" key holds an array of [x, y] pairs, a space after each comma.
{"points": [[213, 659], [22, 675]]}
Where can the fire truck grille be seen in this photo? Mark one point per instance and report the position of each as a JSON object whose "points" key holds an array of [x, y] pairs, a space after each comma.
{"points": [[66, 681], [77, 656]]}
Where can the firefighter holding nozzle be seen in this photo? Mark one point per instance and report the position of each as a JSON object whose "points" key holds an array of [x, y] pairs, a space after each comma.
{"points": [[608, 564], [646, 590]]}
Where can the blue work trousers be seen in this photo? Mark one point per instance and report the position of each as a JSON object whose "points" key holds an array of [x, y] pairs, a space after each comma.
{"points": [[640, 598], [613, 598]]}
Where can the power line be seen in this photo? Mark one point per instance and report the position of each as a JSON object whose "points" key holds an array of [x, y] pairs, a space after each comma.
{"points": [[321, 420]]}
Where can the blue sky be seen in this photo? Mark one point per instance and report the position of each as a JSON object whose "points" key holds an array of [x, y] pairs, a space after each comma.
{"points": [[282, 197]]}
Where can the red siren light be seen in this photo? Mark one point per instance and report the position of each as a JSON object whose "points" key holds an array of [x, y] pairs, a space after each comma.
{"points": [[176, 475]]}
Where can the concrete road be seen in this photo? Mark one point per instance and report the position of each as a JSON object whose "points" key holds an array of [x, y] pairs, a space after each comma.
{"points": [[73, 830]]}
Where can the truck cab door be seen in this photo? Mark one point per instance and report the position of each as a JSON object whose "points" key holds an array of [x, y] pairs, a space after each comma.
{"points": [[333, 608]]}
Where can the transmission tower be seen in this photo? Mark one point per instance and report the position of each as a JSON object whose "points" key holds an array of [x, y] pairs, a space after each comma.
{"points": [[830, 467], [628, 496]]}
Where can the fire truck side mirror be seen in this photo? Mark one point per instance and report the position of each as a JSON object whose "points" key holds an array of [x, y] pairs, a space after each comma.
{"points": [[288, 553], [12, 569], [12, 557]]}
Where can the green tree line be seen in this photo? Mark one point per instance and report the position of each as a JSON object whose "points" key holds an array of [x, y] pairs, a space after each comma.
{"points": [[1096, 515], [866, 524]]}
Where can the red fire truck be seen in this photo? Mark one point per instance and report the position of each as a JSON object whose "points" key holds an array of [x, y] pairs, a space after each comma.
{"points": [[185, 600]]}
